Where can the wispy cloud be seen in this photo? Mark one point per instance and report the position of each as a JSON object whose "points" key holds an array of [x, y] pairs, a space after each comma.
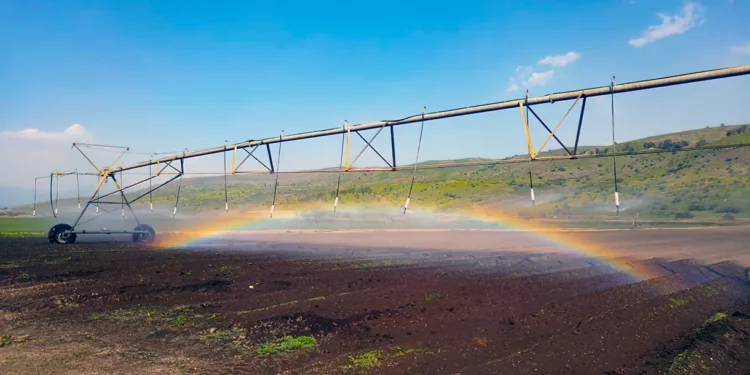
{"points": [[560, 60], [742, 49], [539, 79], [525, 76], [692, 15], [520, 75], [71, 133]]}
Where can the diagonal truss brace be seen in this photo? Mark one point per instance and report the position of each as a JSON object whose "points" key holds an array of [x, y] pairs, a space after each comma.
{"points": [[368, 144], [236, 167], [552, 133]]}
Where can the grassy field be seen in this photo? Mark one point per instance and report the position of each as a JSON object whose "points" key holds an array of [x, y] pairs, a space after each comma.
{"points": [[24, 226]]}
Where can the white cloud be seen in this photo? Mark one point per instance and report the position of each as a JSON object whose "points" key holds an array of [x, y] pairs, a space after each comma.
{"points": [[539, 79], [41, 152], [692, 14], [74, 132], [560, 60], [742, 49], [525, 76], [518, 77]]}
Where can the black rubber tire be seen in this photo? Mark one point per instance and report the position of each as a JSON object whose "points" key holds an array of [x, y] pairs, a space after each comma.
{"points": [[142, 237], [59, 234]]}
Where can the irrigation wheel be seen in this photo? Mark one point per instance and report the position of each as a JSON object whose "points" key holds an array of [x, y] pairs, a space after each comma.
{"points": [[61, 234], [144, 237]]}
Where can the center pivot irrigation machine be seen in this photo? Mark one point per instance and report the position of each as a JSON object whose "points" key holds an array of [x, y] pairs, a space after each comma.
{"points": [[64, 233]]}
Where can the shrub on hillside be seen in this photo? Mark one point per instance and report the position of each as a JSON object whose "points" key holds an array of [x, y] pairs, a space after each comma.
{"points": [[728, 209]]}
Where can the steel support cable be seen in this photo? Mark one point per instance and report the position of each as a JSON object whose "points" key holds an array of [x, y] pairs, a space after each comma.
{"points": [[276, 184], [51, 202], [57, 194], [341, 167], [122, 196], [34, 206], [226, 193], [179, 188], [531, 179], [150, 188], [416, 162], [614, 147], [78, 191]]}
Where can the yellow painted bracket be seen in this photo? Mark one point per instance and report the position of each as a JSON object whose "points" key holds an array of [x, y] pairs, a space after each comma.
{"points": [[528, 134], [234, 160], [348, 148]]}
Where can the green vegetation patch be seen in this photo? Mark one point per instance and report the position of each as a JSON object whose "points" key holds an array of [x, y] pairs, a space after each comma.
{"points": [[366, 361], [180, 321], [374, 265], [719, 317], [688, 362], [229, 269], [6, 340], [435, 296], [287, 344], [679, 302]]}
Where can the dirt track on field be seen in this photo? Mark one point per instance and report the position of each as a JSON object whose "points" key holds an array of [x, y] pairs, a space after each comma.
{"points": [[419, 302]]}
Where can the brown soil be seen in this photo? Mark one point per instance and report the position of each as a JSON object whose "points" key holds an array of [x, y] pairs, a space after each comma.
{"points": [[120, 308]]}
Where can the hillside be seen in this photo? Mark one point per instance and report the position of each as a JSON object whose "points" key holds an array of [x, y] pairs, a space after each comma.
{"points": [[709, 184]]}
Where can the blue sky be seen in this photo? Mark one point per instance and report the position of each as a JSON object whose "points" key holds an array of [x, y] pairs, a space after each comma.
{"points": [[169, 75]]}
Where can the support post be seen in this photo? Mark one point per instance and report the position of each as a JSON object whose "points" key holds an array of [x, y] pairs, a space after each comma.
{"points": [[580, 122], [532, 155], [270, 158], [393, 149], [234, 160], [348, 146]]}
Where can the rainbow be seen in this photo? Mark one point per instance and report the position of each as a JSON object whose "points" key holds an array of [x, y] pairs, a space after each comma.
{"points": [[224, 224]]}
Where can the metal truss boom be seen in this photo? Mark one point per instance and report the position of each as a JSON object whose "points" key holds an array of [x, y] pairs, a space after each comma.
{"points": [[550, 98]]}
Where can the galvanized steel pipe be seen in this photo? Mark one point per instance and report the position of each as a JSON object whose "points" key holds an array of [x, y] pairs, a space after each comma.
{"points": [[551, 98]]}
